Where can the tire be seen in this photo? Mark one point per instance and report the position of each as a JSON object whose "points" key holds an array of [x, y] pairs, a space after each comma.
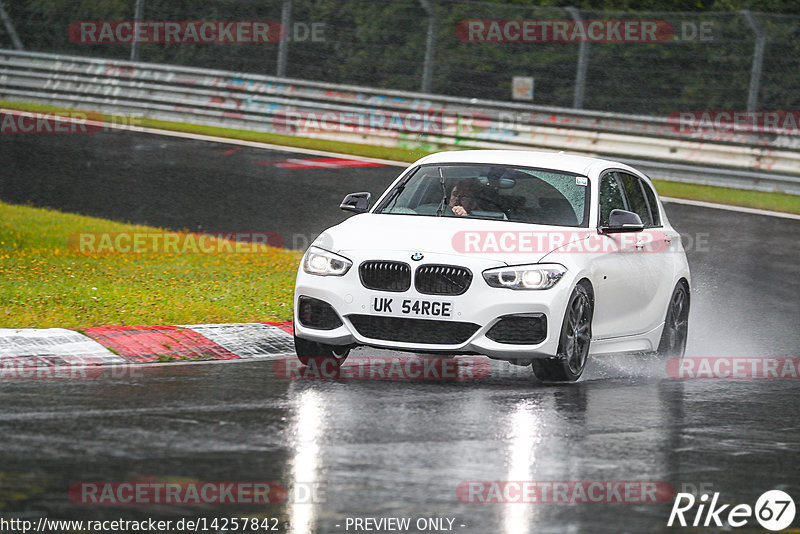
{"points": [[573, 343], [676, 324], [307, 350]]}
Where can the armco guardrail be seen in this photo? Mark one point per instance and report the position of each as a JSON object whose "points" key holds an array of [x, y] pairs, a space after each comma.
{"points": [[754, 159]]}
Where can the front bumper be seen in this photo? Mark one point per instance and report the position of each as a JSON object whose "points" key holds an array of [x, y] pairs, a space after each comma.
{"points": [[480, 305]]}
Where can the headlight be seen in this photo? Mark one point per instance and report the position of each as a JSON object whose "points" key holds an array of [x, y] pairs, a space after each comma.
{"points": [[323, 263], [536, 276]]}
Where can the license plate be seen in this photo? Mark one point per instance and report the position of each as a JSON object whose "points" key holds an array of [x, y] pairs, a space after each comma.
{"points": [[434, 309]]}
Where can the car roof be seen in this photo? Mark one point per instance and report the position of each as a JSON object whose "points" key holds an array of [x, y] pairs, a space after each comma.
{"points": [[527, 158]]}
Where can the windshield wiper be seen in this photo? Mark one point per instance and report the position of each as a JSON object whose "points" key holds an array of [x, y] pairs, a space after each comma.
{"points": [[440, 209]]}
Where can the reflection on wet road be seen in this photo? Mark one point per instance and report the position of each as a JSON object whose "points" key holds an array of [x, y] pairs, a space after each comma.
{"points": [[400, 448]]}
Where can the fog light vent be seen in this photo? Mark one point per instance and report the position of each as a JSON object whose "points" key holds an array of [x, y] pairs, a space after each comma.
{"points": [[522, 329], [315, 313]]}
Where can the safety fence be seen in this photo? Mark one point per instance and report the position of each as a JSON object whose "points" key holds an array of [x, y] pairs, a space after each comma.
{"points": [[714, 148]]}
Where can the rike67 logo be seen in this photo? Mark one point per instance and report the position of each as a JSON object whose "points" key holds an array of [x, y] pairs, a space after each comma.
{"points": [[774, 510]]}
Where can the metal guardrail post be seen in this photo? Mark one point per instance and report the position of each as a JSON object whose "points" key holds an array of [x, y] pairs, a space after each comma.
{"points": [[10, 28], [137, 17], [749, 159], [283, 46], [430, 47], [583, 63], [758, 61]]}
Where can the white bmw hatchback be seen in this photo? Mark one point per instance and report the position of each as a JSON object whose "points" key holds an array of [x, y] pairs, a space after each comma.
{"points": [[534, 258]]}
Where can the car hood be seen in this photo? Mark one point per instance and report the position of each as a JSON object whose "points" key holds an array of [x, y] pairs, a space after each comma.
{"points": [[502, 241]]}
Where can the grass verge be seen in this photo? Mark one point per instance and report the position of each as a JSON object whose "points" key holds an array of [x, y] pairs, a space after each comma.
{"points": [[355, 149], [733, 197], [721, 195], [46, 281]]}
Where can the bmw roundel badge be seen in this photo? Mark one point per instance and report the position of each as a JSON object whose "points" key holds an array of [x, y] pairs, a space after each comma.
{"points": [[417, 256]]}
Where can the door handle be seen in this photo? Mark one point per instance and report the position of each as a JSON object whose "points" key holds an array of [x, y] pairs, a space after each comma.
{"points": [[641, 244]]}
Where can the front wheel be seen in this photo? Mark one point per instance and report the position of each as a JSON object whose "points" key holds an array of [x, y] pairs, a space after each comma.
{"points": [[573, 344], [676, 325], [311, 350]]}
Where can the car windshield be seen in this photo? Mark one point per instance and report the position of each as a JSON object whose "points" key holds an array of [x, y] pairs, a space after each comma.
{"points": [[501, 192]]}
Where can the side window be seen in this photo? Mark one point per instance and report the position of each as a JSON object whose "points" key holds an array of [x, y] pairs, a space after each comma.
{"points": [[636, 201], [651, 200], [610, 197]]}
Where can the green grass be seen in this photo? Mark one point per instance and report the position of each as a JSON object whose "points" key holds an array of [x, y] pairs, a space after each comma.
{"points": [[722, 195], [356, 149], [725, 195], [46, 282]]}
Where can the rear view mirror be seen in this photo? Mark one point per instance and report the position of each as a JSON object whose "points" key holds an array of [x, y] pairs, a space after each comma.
{"points": [[356, 202], [622, 221]]}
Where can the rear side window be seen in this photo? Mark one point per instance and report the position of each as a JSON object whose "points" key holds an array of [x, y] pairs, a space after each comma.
{"points": [[610, 197], [637, 202]]}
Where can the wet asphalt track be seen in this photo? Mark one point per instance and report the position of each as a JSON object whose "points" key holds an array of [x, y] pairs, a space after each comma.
{"points": [[395, 448]]}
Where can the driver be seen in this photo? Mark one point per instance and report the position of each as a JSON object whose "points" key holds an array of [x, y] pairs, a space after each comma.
{"points": [[464, 196]]}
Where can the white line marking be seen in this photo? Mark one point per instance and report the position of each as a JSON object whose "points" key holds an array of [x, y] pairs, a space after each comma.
{"points": [[282, 148], [309, 163], [740, 209], [255, 144], [297, 150], [222, 140]]}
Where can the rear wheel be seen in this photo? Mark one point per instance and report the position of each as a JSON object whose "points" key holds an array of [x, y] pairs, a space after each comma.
{"points": [[573, 344], [676, 324], [319, 352]]}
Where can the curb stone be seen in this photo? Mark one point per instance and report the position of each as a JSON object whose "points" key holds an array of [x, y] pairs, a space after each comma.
{"points": [[121, 345]]}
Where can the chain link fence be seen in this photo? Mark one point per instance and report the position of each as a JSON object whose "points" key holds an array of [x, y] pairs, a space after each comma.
{"points": [[691, 61]]}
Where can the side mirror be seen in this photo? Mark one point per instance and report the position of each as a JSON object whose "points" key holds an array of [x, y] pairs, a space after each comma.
{"points": [[623, 221], [356, 202]]}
